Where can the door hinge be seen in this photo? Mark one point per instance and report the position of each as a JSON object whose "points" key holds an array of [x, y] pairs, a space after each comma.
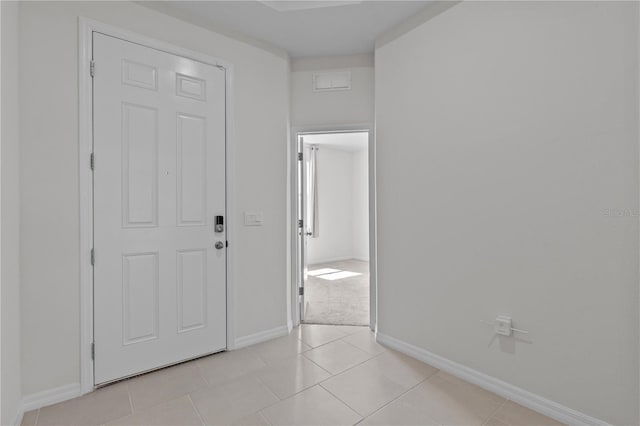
{"points": [[93, 257], [299, 156], [227, 243], [93, 351], [92, 68], [300, 291], [300, 223], [92, 161]]}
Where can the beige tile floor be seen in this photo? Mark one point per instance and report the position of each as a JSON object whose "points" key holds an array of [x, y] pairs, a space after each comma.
{"points": [[318, 375]]}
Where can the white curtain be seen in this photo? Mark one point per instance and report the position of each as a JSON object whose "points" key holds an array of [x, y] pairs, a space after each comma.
{"points": [[312, 193]]}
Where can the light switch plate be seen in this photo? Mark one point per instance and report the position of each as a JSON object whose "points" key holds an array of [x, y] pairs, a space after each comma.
{"points": [[252, 219]]}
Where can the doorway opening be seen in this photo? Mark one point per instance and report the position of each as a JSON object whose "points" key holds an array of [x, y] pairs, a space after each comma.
{"points": [[333, 259]]}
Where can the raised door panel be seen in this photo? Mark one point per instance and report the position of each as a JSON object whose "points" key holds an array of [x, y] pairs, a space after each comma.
{"points": [[191, 289], [139, 75], [140, 285], [192, 170], [139, 166]]}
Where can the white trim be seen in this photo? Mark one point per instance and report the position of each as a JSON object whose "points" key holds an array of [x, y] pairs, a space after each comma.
{"points": [[50, 396], [262, 336], [86, 27], [528, 399], [289, 201], [331, 259], [292, 225], [638, 180], [323, 63], [203, 22], [432, 10], [17, 420], [86, 202]]}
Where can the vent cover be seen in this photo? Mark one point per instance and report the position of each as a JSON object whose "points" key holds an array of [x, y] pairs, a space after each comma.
{"points": [[331, 81]]}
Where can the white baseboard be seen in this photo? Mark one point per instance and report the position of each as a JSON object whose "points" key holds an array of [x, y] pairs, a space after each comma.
{"points": [[262, 336], [328, 260], [337, 259], [530, 400], [17, 420], [50, 397]]}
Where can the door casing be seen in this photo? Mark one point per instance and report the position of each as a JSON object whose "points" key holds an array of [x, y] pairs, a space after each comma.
{"points": [[86, 28], [293, 222]]}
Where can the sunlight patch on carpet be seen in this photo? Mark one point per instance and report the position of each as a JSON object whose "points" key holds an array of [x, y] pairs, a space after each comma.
{"points": [[322, 271], [339, 275]]}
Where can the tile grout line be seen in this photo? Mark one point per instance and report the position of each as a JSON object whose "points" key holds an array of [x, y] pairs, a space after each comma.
{"points": [[255, 375], [319, 366], [347, 405], [202, 375], [342, 372], [130, 406], [291, 358], [196, 409], [494, 412], [251, 375], [401, 395], [269, 390], [263, 417], [325, 343], [130, 399], [156, 404], [332, 340], [260, 411], [279, 400], [331, 375], [351, 344], [350, 368]]}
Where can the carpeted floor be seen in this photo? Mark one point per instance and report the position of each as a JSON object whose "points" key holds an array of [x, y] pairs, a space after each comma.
{"points": [[338, 301]]}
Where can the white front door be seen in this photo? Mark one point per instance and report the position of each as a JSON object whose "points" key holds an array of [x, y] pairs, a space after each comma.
{"points": [[159, 183]]}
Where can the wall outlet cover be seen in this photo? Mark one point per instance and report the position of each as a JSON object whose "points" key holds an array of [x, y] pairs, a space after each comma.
{"points": [[502, 325]]}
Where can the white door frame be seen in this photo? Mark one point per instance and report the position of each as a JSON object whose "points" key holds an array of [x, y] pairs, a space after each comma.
{"points": [[86, 27], [293, 223]]}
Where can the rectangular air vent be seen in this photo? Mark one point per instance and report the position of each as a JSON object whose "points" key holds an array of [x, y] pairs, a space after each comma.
{"points": [[331, 80]]}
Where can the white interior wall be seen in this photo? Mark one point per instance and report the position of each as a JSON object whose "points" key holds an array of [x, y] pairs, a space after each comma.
{"points": [[335, 208], [360, 203], [507, 141], [49, 177], [343, 197], [10, 384]]}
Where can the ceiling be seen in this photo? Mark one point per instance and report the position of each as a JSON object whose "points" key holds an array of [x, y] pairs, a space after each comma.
{"points": [[353, 141], [302, 28]]}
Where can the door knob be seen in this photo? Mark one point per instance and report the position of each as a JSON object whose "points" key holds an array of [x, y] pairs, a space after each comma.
{"points": [[219, 245]]}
